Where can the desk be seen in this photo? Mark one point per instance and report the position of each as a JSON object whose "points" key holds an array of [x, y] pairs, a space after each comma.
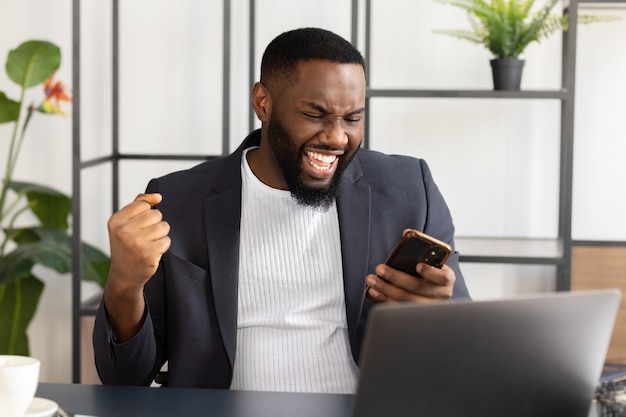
{"points": [[122, 401], [119, 401]]}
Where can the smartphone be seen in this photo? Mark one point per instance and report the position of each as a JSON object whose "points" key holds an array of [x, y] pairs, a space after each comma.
{"points": [[417, 247]]}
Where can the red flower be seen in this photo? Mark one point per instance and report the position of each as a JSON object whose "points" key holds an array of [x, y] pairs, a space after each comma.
{"points": [[56, 92]]}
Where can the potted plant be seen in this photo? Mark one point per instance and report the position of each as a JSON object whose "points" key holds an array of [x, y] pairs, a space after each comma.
{"points": [[47, 242], [506, 28]]}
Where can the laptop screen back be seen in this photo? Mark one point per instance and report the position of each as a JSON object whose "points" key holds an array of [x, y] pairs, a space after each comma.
{"points": [[539, 355]]}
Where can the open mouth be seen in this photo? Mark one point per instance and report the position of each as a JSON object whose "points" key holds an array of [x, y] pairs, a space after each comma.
{"points": [[320, 165]]}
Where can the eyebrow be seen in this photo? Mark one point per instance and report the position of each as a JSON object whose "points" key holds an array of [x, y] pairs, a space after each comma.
{"points": [[322, 109]]}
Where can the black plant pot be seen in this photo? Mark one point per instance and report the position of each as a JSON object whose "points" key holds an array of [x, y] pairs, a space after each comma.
{"points": [[507, 73]]}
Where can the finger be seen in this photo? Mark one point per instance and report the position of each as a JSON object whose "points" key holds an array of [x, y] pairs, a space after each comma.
{"points": [[155, 250], [146, 250], [142, 204], [146, 227], [443, 276], [381, 291], [155, 231], [152, 199], [374, 296], [163, 244], [146, 219], [137, 236], [131, 219], [399, 286]]}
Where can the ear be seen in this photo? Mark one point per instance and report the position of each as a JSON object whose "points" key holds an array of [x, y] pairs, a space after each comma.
{"points": [[261, 102]]}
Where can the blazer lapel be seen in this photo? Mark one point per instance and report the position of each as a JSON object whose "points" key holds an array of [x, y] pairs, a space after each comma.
{"points": [[222, 219], [354, 208]]}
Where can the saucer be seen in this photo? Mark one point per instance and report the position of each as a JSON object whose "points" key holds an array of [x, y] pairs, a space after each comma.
{"points": [[41, 407]]}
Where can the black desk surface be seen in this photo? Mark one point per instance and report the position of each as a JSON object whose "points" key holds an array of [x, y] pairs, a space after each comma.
{"points": [[119, 401]]}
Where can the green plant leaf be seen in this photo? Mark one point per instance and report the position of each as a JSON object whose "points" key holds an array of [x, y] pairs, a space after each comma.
{"points": [[506, 27], [14, 266], [33, 62], [18, 304], [537, 25], [51, 207], [95, 263], [18, 263], [24, 235], [9, 109]]}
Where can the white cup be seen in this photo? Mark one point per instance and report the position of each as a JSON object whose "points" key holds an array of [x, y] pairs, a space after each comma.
{"points": [[19, 377]]}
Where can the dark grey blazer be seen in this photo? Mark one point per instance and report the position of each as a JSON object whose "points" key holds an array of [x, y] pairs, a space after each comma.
{"points": [[191, 319]]}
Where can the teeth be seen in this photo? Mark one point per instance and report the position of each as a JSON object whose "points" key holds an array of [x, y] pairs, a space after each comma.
{"points": [[321, 157], [316, 158], [319, 167]]}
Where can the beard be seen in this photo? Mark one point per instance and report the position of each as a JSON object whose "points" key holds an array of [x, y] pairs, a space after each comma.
{"points": [[289, 159]]}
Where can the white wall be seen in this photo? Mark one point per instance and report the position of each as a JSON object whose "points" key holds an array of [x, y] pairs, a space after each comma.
{"points": [[599, 206], [495, 161], [45, 158]]}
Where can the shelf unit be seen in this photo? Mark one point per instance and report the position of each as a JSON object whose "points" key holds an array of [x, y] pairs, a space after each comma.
{"points": [[81, 308], [556, 252]]}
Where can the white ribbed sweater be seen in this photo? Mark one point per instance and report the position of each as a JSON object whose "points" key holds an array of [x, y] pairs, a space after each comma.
{"points": [[291, 319]]}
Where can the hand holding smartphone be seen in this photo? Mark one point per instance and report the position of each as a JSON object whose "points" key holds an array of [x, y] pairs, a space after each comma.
{"points": [[417, 247]]}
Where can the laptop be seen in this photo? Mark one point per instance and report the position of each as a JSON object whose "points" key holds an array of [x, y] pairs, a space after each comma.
{"points": [[528, 356]]}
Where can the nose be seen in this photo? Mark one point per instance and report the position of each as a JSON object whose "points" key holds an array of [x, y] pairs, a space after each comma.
{"points": [[334, 134]]}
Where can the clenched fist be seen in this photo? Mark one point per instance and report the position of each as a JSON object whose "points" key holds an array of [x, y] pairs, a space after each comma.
{"points": [[138, 237]]}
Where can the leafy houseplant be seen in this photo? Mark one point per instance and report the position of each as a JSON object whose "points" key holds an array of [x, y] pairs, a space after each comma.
{"points": [[46, 243], [507, 27]]}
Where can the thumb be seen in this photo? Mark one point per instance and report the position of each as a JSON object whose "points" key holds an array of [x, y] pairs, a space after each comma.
{"points": [[152, 199]]}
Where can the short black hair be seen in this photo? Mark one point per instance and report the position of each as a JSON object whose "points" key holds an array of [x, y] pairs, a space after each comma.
{"points": [[278, 64]]}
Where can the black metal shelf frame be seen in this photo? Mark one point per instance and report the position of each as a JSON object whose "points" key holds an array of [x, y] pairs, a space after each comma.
{"points": [[556, 252], [560, 254], [80, 308]]}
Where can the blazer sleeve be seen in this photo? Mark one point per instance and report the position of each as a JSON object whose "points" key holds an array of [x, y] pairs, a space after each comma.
{"points": [[439, 223], [128, 363], [137, 360]]}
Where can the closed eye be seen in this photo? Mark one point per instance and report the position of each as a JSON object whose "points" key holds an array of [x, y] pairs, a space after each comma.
{"points": [[352, 120]]}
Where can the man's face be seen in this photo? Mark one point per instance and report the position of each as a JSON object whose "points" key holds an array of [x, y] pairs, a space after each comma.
{"points": [[316, 127], [288, 158]]}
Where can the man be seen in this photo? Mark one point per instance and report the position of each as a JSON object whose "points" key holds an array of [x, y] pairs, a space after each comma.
{"points": [[250, 271]]}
